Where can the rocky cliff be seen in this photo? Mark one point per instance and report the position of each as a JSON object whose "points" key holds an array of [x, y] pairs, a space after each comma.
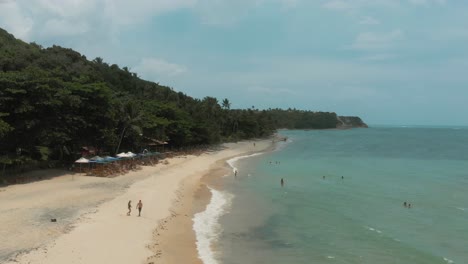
{"points": [[350, 122]]}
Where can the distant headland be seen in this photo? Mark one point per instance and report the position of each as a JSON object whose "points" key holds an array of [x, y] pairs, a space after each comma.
{"points": [[351, 122]]}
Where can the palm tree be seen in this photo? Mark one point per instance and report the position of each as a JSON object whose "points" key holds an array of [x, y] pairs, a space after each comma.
{"points": [[131, 116], [226, 104]]}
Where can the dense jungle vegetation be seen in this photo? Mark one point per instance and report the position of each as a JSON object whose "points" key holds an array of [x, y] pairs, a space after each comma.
{"points": [[53, 101]]}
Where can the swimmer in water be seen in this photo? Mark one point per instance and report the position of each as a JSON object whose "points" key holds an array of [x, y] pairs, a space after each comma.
{"points": [[282, 182], [405, 204]]}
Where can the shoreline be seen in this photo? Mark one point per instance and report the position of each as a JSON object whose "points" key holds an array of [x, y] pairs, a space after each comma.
{"points": [[216, 203], [99, 230], [175, 239]]}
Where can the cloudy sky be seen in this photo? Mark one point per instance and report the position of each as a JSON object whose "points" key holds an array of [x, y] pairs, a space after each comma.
{"points": [[389, 61]]}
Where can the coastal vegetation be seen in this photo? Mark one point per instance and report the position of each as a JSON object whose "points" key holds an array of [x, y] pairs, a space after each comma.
{"points": [[54, 101]]}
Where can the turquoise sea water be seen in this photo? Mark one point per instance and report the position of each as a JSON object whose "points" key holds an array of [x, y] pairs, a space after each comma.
{"points": [[358, 219]]}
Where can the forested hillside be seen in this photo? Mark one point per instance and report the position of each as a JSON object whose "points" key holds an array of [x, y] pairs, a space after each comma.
{"points": [[53, 101]]}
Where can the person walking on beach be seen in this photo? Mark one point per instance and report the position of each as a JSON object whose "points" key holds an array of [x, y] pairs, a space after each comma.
{"points": [[129, 207], [139, 207], [235, 173], [282, 182]]}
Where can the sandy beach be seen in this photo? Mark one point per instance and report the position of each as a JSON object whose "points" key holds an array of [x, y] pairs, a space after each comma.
{"points": [[92, 223]]}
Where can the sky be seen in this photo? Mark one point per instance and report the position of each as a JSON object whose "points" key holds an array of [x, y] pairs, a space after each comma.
{"points": [[395, 62]]}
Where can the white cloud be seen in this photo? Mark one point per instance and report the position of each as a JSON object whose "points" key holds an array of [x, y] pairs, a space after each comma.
{"points": [[29, 19], [13, 19], [72, 17], [155, 69], [368, 20], [373, 40], [124, 12], [63, 27], [64, 8], [348, 5], [225, 12]]}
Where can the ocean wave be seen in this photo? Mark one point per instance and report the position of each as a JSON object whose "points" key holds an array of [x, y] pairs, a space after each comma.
{"points": [[373, 229], [449, 260], [282, 144], [232, 161], [460, 208], [206, 225]]}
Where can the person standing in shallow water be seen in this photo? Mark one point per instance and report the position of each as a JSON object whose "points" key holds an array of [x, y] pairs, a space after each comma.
{"points": [[282, 182], [129, 207], [139, 207]]}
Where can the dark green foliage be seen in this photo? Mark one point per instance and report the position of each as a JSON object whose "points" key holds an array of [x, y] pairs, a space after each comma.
{"points": [[53, 101]]}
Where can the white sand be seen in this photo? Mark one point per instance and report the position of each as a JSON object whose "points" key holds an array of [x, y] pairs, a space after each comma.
{"points": [[105, 234]]}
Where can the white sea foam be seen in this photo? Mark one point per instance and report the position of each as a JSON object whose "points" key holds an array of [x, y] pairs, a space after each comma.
{"points": [[233, 161], [460, 208], [330, 257], [449, 260], [206, 225], [373, 229], [282, 144]]}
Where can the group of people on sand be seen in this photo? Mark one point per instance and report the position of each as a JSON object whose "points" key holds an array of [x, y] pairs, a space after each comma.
{"points": [[139, 207], [407, 205]]}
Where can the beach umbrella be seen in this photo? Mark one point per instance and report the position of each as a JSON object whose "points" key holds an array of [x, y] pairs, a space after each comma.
{"points": [[81, 161], [109, 158], [96, 158], [122, 155]]}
